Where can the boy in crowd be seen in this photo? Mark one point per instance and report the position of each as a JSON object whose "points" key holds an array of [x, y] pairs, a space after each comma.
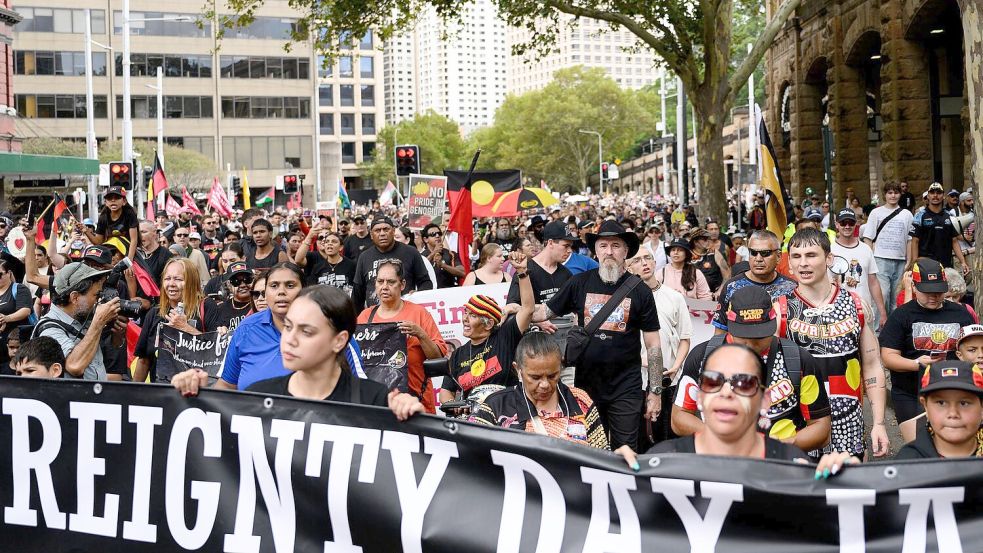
{"points": [[39, 357]]}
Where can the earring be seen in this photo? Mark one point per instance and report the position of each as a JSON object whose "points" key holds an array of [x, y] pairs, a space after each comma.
{"points": [[764, 423]]}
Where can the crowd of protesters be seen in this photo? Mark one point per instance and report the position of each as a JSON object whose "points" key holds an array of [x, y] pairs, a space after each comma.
{"points": [[862, 307]]}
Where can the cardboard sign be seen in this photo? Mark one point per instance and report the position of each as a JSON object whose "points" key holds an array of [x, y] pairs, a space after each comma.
{"points": [[428, 200]]}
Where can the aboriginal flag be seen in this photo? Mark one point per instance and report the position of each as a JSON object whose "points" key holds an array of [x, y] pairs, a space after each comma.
{"points": [[778, 209], [156, 185], [486, 188], [48, 222]]}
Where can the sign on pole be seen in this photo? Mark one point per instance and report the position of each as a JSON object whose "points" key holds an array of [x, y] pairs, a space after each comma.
{"points": [[427, 201]]}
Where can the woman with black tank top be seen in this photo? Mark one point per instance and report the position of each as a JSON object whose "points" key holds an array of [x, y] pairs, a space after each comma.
{"points": [[490, 267]]}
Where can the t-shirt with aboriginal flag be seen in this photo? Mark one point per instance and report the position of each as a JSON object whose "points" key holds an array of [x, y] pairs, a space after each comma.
{"points": [[788, 409], [487, 363]]}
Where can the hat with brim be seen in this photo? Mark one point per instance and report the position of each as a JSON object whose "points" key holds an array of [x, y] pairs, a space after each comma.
{"points": [[74, 273], [237, 268], [928, 276], [100, 255], [952, 375], [969, 331], [678, 243], [611, 229]]}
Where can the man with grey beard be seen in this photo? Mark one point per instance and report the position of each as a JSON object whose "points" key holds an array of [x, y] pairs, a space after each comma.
{"points": [[609, 368]]}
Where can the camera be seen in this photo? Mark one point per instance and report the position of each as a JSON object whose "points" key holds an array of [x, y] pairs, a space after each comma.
{"points": [[127, 308]]}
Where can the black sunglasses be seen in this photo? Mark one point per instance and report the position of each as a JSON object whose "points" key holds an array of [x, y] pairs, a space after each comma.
{"points": [[240, 280], [258, 294], [323, 236], [434, 234], [762, 253], [743, 384]]}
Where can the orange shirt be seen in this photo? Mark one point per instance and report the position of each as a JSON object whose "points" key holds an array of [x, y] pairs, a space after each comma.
{"points": [[418, 382]]}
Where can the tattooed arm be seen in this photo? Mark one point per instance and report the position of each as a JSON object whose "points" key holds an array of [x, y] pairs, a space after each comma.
{"points": [[874, 384], [653, 350]]}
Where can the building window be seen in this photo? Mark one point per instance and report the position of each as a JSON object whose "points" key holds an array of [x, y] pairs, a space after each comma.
{"points": [[263, 107], [323, 70], [366, 67], [368, 151], [325, 95], [347, 123], [50, 20], [366, 42], [263, 67], [368, 95], [162, 24], [268, 152], [368, 123], [174, 65], [175, 107], [347, 94], [348, 152], [265, 28], [60, 106], [345, 69], [28, 62], [325, 123]]}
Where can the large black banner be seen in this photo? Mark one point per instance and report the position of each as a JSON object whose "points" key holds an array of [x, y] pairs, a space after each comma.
{"points": [[131, 467], [384, 356]]}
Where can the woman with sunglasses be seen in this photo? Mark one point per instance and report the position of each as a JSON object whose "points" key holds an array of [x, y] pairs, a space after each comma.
{"points": [[259, 294], [239, 305], [327, 265], [230, 254]]}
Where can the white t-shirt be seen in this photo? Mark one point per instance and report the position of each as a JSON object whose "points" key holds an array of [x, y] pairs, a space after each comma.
{"points": [[862, 265], [892, 242], [675, 324]]}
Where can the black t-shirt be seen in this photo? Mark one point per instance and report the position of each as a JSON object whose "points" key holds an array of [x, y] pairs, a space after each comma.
{"points": [[907, 201], [916, 331], [355, 245], [154, 263], [487, 363], [9, 304], [212, 248], [616, 348], [414, 273], [264, 264], [369, 392], [120, 228], [320, 271], [147, 343], [444, 279], [506, 245], [934, 232], [228, 314], [774, 449], [214, 285], [544, 284]]}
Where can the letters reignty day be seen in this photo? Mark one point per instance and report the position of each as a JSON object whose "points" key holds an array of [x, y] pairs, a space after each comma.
{"points": [[276, 486]]}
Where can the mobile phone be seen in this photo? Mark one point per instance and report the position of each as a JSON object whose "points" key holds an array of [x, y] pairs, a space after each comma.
{"points": [[30, 214]]}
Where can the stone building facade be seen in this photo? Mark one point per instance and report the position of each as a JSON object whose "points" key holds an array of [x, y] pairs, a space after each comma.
{"points": [[886, 78]]}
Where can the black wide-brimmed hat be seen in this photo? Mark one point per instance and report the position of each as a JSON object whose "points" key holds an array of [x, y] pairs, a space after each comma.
{"points": [[613, 229]]}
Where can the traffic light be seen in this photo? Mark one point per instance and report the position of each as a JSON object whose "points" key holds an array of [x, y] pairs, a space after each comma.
{"points": [[289, 184], [407, 160], [121, 174], [236, 187], [604, 170]]}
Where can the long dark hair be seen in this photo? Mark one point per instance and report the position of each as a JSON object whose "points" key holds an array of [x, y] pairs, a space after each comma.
{"points": [[338, 309], [689, 271], [288, 266]]}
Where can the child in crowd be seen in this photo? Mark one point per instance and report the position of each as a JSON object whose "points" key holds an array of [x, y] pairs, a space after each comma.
{"points": [[39, 357], [952, 395]]}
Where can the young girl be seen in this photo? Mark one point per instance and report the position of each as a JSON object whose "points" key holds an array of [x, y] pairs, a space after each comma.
{"points": [[952, 395], [117, 219]]}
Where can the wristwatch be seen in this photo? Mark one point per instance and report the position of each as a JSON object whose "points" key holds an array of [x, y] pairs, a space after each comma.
{"points": [[521, 275], [657, 389]]}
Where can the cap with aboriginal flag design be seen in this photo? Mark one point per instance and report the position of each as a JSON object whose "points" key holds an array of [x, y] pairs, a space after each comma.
{"points": [[928, 276]]}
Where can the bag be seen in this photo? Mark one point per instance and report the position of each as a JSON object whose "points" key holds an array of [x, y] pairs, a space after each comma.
{"points": [[384, 355], [579, 337], [32, 319], [880, 227]]}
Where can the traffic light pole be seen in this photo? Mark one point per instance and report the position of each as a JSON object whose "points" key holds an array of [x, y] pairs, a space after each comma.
{"points": [[600, 160]]}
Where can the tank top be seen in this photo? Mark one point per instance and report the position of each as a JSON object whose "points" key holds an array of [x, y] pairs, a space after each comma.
{"points": [[478, 281], [708, 266], [263, 264], [831, 333]]}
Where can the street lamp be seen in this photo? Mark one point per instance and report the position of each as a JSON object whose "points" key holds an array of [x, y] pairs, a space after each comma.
{"points": [[91, 146], [600, 159]]}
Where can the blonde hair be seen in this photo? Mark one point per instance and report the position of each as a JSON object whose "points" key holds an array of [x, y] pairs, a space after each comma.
{"points": [[192, 295]]}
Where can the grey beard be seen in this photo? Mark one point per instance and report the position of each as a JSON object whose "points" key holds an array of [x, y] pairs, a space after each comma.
{"points": [[610, 272]]}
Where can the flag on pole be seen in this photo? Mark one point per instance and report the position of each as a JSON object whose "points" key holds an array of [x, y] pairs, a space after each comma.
{"points": [[542, 184], [156, 184], [189, 202], [388, 193], [171, 207], [778, 208], [217, 200], [266, 198], [343, 200], [462, 223], [245, 190], [48, 222], [145, 280]]}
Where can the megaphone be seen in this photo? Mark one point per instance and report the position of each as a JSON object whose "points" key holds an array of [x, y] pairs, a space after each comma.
{"points": [[962, 222]]}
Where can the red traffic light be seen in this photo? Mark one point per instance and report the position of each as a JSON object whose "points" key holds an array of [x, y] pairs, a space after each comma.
{"points": [[604, 166], [405, 152], [119, 168], [290, 179]]}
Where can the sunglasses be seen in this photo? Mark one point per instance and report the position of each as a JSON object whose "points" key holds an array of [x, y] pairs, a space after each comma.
{"points": [[181, 235], [258, 294], [762, 253], [239, 281], [434, 234], [743, 384], [323, 236]]}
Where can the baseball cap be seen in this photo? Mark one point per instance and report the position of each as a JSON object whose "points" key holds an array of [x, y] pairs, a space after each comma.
{"points": [[585, 224], [358, 219], [965, 196], [236, 268], [536, 220], [194, 236], [846, 214], [814, 213], [382, 220], [484, 306], [97, 254], [74, 273], [953, 192], [935, 187], [116, 191], [557, 230], [952, 375], [969, 331], [750, 313], [928, 276]]}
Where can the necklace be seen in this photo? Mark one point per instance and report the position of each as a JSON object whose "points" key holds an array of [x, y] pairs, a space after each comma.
{"points": [[238, 307]]}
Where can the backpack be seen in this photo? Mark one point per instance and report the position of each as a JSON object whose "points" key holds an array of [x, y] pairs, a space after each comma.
{"points": [[790, 354], [32, 319]]}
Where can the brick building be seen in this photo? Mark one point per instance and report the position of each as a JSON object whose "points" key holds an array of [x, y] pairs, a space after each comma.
{"points": [[887, 79]]}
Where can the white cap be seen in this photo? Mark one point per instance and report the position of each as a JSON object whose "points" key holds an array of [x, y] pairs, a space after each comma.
{"points": [[194, 236], [970, 330]]}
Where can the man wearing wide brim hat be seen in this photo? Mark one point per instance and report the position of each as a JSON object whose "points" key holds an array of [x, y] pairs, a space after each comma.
{"points": [[608, 370]]}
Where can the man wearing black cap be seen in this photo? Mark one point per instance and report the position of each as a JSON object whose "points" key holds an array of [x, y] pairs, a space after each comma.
{"points": [[798, 407], [546, 271], [386, 247], [609, 368], [932, 233], [861, 269], [834, 325], [918, 333], [359, 240]]}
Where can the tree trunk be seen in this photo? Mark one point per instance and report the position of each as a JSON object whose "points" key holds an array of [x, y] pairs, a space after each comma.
{"points": [[972, 20], [710, 155]]}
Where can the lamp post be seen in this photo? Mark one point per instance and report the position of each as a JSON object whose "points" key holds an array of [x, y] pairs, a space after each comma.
{"points": [[91, 146], [600, 159]]}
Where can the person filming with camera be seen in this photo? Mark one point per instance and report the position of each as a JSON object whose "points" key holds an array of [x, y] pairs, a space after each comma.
{"points": [[77, 318]]}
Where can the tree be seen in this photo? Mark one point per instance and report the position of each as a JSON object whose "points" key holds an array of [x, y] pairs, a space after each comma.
{"points": [[538, 131], [439, 139], [694, 39], [972, 17], [183, 167]]}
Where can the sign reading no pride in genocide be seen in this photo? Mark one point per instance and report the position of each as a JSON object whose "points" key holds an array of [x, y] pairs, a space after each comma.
{"points": [[125, 467], [427, 201]]}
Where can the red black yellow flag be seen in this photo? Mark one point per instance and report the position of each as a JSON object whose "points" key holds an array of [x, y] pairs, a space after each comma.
{"points": [[486, 188], [48, 222]]}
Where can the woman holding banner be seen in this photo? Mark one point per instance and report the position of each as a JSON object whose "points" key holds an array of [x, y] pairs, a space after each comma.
{"points": [[423, 339], [183, 305]]}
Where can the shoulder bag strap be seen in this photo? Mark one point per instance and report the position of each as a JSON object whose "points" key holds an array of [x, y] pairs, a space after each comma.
{"points": [[354, 389], [372, 313], [626, 287], [880, 227]]}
